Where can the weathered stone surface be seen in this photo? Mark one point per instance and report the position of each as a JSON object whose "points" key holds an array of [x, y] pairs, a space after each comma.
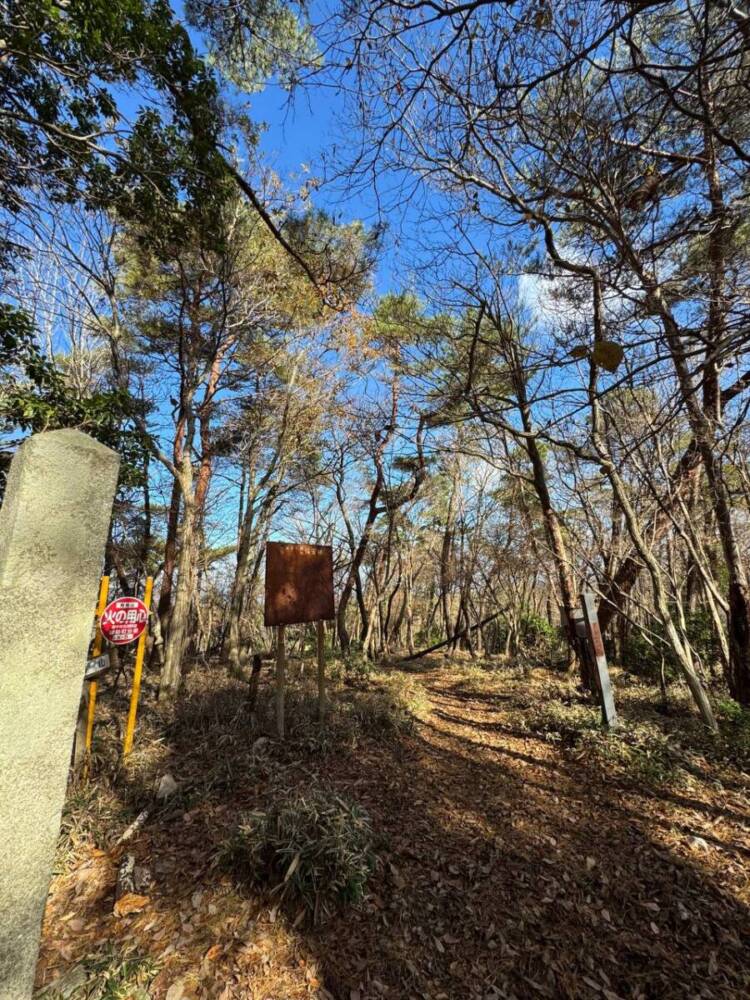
{"points": [[53, 529]]}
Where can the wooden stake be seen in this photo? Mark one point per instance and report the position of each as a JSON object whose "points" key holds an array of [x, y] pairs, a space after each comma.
{"points": [[135, 692], [252, 695], [96, 651], [280, 680], [321, 671]]}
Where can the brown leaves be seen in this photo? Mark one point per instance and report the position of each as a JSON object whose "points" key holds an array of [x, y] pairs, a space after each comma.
{"points": [[91, 881], [131, 902]]}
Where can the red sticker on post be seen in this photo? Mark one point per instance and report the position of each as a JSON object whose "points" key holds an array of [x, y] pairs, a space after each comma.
{"points": [[124, 620]]}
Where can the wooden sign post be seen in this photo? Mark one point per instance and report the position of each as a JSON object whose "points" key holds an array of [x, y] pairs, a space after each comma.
{"points": [[601, 671], [299, 589], [280, 679], [321, 644]]}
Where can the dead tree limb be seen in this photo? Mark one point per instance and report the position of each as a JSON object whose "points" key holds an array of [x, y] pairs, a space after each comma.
{"points": [[457, 635]]}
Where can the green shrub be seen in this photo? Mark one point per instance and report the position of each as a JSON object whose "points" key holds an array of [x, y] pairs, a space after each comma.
{"points": [[536, 631], [357, 666], [733, 745], [641, 754], [314, 847], [731, 711], [644, 658], [638, 752]]}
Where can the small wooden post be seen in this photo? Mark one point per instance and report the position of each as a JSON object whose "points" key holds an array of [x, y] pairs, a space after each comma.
{"points": [[609, 715], [321, 670], [139, 655], [96, 651], [280, 680], [252, 694]]}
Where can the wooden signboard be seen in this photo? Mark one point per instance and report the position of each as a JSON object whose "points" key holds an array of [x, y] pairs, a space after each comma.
{"points": [[299, 589], [299, 583]]}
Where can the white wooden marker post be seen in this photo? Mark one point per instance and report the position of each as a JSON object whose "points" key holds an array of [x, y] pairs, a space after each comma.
{"points": [[609, 715], [53, 528]]}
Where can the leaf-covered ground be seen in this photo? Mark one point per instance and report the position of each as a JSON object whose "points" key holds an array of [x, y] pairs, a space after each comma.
{"points": [[520, 852]]}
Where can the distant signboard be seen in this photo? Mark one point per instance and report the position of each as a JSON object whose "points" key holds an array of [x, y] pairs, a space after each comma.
{"points": [[123, 620], [299, 583]]}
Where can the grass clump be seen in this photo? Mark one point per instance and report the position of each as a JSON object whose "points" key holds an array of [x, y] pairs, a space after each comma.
{"points": [[640, 754], [731, 747], [735, 732], [484, 677], [314, 848], [392, 705], [562, 722], [107, 976]]}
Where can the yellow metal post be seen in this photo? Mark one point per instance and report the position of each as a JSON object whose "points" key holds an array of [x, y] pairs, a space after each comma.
{"points": [[96, 651], [139, 655]]}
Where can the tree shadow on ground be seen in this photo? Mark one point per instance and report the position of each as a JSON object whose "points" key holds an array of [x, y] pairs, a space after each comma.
{"points": [[505, 869], [522, 889]]}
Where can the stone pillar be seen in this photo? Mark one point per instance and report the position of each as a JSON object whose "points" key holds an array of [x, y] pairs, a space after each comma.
{"points": [[53, 529]]}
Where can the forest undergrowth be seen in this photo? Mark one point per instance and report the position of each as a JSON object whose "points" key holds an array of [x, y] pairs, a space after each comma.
{"points": [[454, 830]]}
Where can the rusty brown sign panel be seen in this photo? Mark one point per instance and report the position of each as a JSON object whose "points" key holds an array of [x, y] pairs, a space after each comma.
{"points": [[299, 583]]}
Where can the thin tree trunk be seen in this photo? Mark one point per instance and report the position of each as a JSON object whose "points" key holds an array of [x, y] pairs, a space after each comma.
{"points": [[680, 649]]}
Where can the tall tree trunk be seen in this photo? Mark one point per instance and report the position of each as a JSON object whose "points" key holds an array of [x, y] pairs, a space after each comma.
{"points": [[164, 606], [176, 641], [446, 551]]}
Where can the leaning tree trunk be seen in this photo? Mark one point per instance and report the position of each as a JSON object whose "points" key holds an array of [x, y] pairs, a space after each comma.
{"points": [[352, 575], [678, 646]]}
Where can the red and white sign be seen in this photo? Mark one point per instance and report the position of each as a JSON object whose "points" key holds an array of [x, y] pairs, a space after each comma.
{"points": [[124, 620]]}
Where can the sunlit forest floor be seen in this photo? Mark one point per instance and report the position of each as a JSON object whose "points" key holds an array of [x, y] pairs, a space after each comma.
{"points": [[516, 850]]}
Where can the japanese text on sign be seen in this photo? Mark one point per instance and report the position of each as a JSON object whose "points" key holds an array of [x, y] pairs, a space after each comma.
{"points": [[124, 620]]}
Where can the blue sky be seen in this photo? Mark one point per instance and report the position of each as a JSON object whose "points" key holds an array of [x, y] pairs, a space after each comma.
{"points": [[301, 131]]}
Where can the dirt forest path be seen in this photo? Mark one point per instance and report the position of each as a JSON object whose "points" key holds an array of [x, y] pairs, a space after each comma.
{"points": [[508, 868], [515, 873]]}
